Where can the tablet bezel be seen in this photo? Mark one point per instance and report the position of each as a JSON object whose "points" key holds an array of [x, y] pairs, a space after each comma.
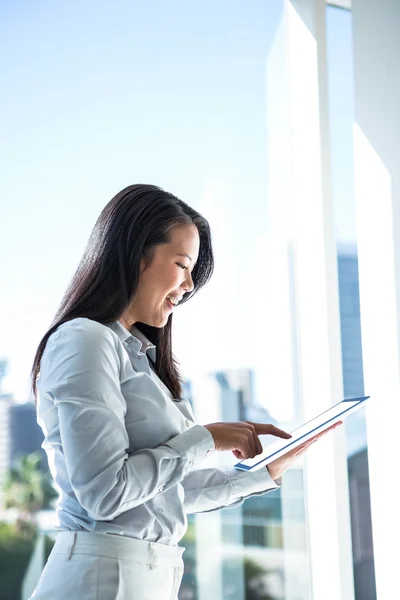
{"points": [[293, 443]]}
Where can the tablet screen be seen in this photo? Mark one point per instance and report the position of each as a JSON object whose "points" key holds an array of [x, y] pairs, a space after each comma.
{"points": [[277, 448]]}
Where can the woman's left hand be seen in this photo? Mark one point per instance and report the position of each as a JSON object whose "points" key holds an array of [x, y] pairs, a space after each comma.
{"points": [[277, 467]]}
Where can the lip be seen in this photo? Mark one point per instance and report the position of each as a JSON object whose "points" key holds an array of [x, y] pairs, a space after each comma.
{"points": [[174, 305], [170, 304]]}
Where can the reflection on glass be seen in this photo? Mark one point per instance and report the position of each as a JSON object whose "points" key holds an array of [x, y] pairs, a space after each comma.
{"points": [[194, 122], [261, 545], [341, 111]]}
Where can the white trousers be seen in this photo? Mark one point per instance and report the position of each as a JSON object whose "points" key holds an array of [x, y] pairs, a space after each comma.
{"points": [[97, 566]]}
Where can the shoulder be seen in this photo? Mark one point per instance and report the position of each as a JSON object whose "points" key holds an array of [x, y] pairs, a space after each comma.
{"points": [[82, 354], [80, 346], [84, 332]]}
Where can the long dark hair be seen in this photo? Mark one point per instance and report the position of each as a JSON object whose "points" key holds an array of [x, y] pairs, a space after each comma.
{"points": [[129, 227]]}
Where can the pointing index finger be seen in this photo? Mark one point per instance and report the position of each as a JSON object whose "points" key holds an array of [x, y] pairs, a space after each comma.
{"points": [[267, 428]]}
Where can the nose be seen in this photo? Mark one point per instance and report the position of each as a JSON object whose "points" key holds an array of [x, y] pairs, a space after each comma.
{"points": [[188, 284]]}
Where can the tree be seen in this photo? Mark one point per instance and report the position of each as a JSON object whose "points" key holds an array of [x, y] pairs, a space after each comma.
{"points": [[256, 586], [28, 489]]}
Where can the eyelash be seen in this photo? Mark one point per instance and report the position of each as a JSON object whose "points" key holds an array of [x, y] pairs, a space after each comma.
{"points": [[181, 265]]}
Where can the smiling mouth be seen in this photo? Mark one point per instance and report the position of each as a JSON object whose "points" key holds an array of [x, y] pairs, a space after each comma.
{"points": [[170, 303], [172, 300]]}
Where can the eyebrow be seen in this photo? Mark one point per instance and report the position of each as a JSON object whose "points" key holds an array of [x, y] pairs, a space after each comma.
{"points": [[182, 254]]}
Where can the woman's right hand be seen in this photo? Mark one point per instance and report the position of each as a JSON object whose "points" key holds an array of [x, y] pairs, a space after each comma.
{"points": [[242, 437]]}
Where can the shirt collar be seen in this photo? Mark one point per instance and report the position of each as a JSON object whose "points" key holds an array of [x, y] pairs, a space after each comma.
{"points": [[135, 338]]}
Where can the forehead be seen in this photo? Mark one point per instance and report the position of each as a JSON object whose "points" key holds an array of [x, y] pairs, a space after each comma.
{"points": [[185, 239]]}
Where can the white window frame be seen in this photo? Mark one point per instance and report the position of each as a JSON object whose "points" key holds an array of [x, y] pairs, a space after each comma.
{"points": [[301, 210]]}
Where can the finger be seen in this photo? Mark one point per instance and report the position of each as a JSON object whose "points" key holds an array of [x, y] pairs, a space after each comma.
{"points": [[306, 444], [304, 447], [301, 452], [295, 452], [246, 448], [307, 447], [252, 443], [256, 441], [325, 431], [318, 436], [259, 448], [267, 428], [332, 427]]}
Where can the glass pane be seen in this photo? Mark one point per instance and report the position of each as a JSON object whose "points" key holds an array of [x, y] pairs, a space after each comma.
{"points": [[257, 550], [101, 96], [341, 115]]}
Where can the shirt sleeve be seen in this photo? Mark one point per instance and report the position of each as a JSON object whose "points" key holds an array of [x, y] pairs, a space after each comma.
{"points": [[81, 375], [207, 490]]}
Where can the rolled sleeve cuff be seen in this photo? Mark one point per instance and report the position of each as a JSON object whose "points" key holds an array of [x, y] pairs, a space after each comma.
{"points": [[194, 445], [247, 482]]}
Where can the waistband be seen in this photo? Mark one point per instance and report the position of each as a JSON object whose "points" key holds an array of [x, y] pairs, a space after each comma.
{"points": [[116, 546]]}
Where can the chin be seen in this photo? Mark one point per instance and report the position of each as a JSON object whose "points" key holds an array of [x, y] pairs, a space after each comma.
{"points": [[157, 323]]}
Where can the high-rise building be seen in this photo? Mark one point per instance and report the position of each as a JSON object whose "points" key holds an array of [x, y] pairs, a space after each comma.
{"points": [[353, 382], [257, 524], [260, 519], [360, 510], [353, 377], [5, 401], [20, 433], [25, 435]]}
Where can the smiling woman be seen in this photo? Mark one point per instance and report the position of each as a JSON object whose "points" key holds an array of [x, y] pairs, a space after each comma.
{"points": [[164, 282], [130, 266], [123, 453]]}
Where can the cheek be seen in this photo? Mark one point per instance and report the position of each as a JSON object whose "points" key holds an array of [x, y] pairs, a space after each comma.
{"points": [[156, 284], [169, 280]]}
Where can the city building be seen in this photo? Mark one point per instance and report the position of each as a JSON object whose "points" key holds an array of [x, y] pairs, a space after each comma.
{"points": [[25, 434], [5, 403], [353, 385]]}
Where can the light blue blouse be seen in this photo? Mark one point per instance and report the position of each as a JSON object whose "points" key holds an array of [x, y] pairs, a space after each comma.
{"points": [[125, 455]]}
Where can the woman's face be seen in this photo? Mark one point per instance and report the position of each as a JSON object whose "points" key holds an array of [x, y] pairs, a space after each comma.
{"points": [[167, 278]]}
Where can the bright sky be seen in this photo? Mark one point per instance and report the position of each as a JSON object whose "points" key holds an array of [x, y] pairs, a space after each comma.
{"points": [[97, 96]]}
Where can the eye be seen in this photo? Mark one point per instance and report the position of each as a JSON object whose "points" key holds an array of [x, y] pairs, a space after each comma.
{"points": [[181, 266]]}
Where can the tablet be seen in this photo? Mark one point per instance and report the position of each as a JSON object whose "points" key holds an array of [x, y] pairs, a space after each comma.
{"points": [[275, 449]]}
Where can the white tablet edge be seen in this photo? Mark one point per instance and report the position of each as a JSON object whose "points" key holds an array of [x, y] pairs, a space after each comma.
{"points": [[294, 444]]}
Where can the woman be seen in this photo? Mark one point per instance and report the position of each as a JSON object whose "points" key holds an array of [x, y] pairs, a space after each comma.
{"points": [[122, 443]]}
